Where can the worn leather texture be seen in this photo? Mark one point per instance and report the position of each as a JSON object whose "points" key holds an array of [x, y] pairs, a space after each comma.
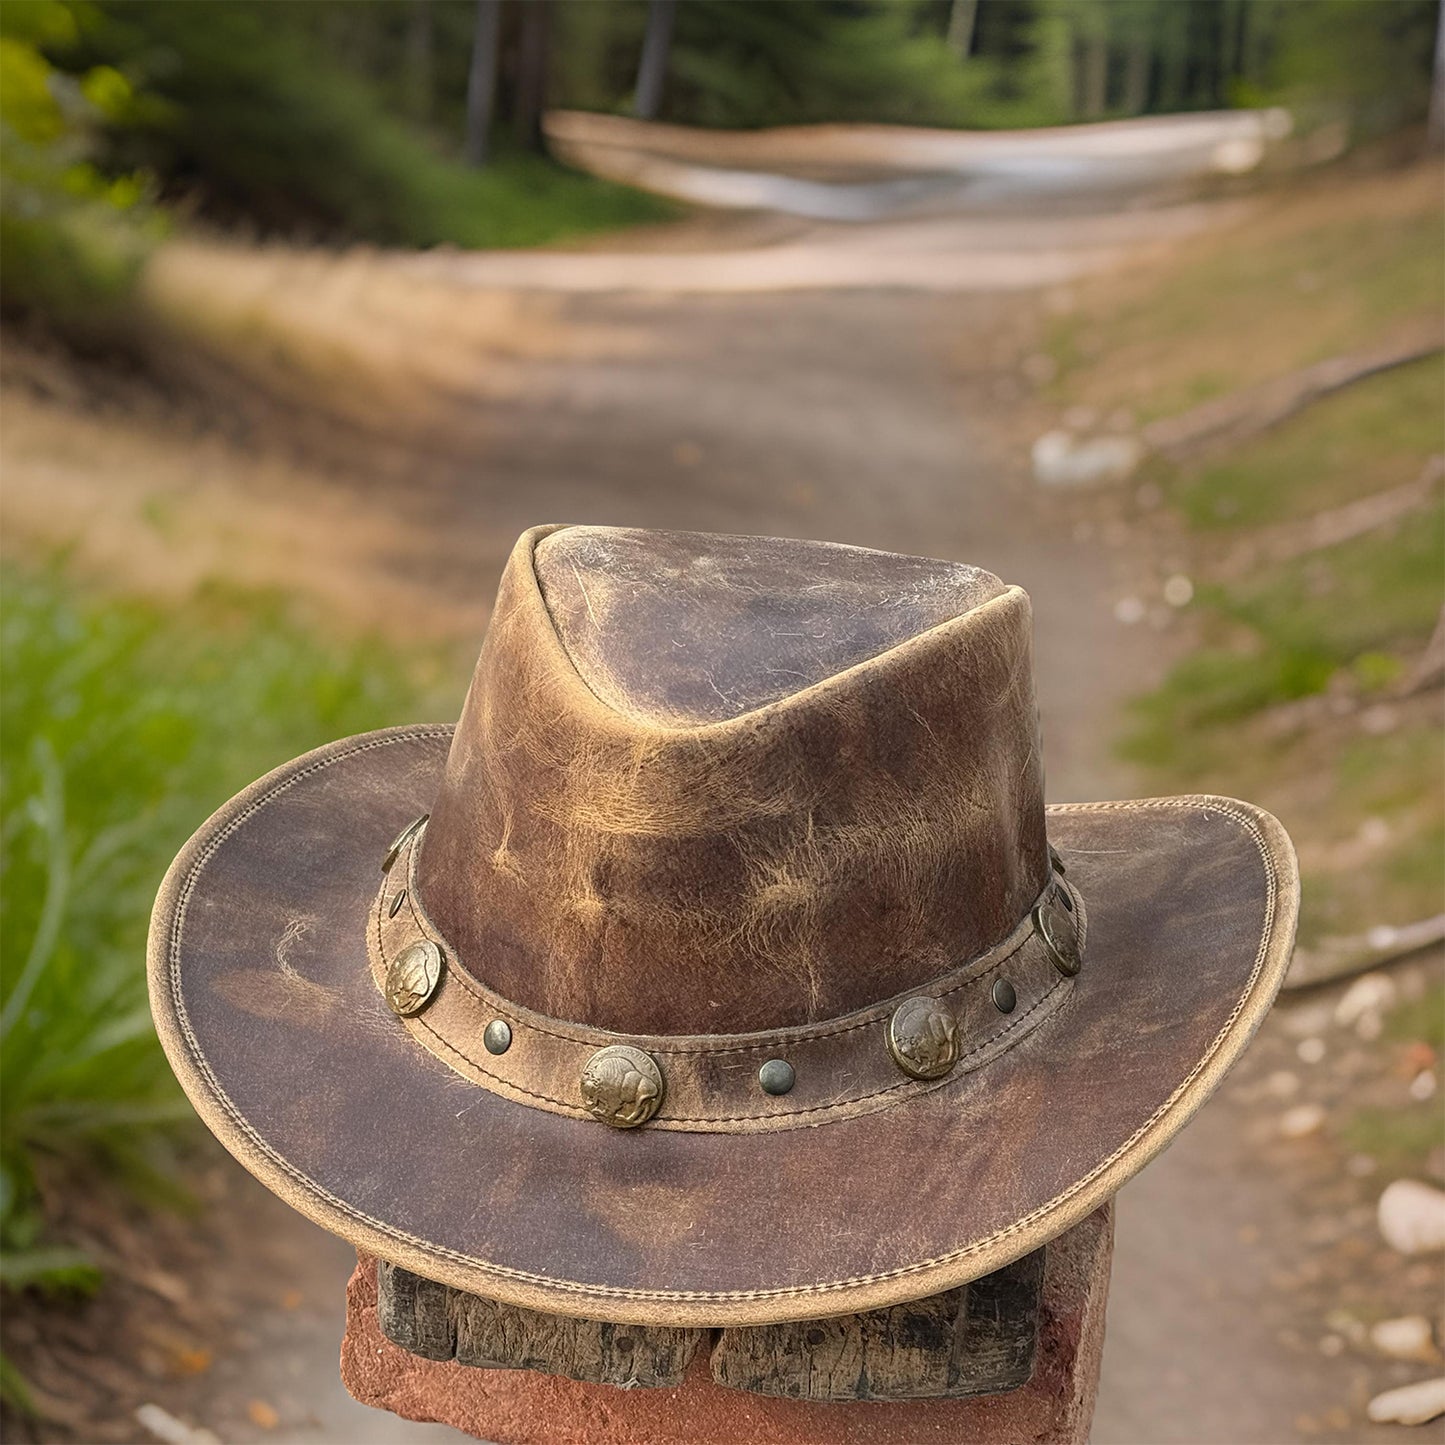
{"points": [[832, 847], [265, 999]]}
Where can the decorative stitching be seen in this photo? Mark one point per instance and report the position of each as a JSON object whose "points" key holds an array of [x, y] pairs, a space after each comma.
{"points": [[593, 1291]]}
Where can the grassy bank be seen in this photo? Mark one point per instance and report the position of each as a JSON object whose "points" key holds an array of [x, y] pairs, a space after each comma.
{"points": [[1308, 681], [1314, 547], [123, 728]]}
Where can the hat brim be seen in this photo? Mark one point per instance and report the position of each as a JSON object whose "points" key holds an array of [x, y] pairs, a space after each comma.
{"points": [[266, 1006]]}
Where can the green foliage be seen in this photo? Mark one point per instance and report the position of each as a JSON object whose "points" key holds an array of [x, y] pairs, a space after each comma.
{"points": [[768, 62], [72, 240], [1367, 59], [246, 111], [122, 729]]}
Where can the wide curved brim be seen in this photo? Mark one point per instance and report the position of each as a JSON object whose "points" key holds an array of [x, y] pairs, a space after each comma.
{"points": [[266, 1006]]}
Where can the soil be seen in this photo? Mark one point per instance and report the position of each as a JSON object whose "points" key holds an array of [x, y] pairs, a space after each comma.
{"points": [[889, 418]]}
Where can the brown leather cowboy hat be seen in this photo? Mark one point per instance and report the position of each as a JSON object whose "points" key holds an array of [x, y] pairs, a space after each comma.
{"points": [[726, 965]]}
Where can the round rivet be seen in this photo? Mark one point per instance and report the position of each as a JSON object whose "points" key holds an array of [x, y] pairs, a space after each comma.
{"points": [[397, 900], [923, 1038], [497, 1036], [1004, 997], [777, 1076], [413, 977], [399, 842], [622, 1086], [1056, 929], [1056, 861]]}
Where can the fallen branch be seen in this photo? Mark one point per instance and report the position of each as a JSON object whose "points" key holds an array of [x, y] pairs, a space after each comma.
{"points": [[1230, 419], [1289, 540], [1339, 958]]}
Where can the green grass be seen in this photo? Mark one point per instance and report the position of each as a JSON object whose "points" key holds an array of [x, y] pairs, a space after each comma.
{"points": [[1364, 596], [522, 200], [123, 728], [1403, 1138], [1420, 1020], [1370, 436], [1398, 779], [1285, 634]]}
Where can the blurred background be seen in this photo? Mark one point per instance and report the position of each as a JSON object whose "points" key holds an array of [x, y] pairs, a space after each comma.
{"points": [[311, 307]]}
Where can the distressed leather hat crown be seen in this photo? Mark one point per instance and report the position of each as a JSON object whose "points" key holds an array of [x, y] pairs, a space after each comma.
{"points": [[726, 964]]}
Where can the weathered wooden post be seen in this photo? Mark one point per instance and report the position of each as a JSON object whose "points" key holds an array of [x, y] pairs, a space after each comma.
{"points": [[1012, 1356]]}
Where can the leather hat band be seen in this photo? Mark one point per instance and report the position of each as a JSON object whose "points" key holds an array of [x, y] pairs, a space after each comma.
{"points": [[737, 1083]]}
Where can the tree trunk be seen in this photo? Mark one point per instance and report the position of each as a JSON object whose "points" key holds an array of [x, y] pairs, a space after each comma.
{"points": [[482, 80], [1094, 78], [531, 90], [961, 18], [652, 68], [1136, 77], [419, 60], [1436, 124]]}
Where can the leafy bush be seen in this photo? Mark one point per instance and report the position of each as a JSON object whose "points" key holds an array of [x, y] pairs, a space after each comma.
{"points": [[72, 241], [122, 730], [240, 107]]}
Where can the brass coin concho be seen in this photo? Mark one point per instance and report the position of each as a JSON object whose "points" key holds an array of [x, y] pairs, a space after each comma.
{"points": [[622, 1086], [1054, 923], [413, 977], [923, 1038]]}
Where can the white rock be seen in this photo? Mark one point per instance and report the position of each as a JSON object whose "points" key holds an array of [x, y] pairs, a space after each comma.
{"points": [[1062, 459], [166, 1427], [1423, 1086], [1239, 154], [1369, 1027], [1311, 1051], [1371, 993], [1178, 590], [1411, 1217], [1301, 1121], [1415, 1404], [1406, 1338]]}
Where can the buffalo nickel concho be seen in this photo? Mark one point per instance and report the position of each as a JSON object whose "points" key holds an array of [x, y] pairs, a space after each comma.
{"points": [[1055, 926], [413, 977], [622, 1086], [923, 1038]]}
